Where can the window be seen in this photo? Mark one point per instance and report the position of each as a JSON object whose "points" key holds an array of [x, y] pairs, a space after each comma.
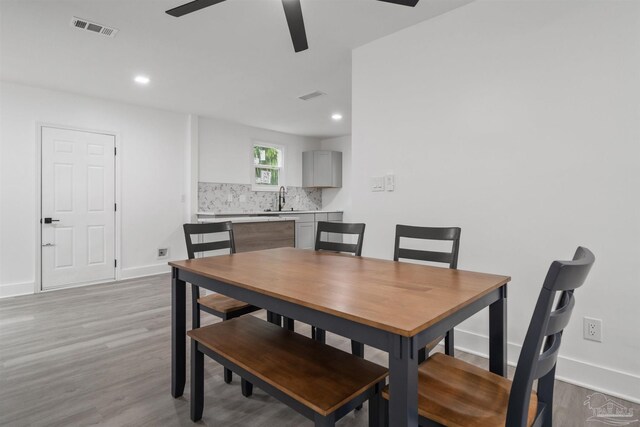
{"points": [[268, 167]]}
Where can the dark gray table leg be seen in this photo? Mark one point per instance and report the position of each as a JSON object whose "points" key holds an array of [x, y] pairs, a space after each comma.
{"points": [[498, 334], [178, 334], [403, 382]]}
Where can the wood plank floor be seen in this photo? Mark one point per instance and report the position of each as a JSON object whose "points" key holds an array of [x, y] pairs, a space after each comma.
{"points": [[100, 355]]}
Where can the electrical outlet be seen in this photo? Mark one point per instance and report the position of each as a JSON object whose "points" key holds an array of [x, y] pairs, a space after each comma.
{"points": [[229, 197], [592, 329], [163, 252]]}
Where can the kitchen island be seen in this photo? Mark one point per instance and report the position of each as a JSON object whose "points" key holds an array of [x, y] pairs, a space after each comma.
{"points": [[305, 222], [256, 233]]}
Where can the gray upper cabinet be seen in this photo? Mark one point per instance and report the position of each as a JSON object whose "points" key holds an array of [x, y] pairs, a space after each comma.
{"points": [[322, 169]]}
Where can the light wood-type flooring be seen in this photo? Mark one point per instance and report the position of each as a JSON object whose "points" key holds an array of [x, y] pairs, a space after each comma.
{"points": [[100, 355]]}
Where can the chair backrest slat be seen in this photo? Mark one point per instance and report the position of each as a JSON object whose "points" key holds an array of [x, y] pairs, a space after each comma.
{"points": [[211, 246], [547, 360], [430, 256], [560, 317], [204, 229], [428, 233], [545, 335], [340, 228], [338, 247]]}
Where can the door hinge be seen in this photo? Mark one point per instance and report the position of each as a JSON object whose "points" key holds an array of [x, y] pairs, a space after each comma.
{"points": [[115, 151], [115, 207], [115, 263]]}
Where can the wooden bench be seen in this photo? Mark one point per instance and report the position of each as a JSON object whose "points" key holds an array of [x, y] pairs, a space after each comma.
{"points": [[320, 382]]}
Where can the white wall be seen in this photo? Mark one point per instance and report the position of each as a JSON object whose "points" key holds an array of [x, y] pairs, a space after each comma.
{"points": [[519, 122], [339, 198], [225, 151], [152, 174]]}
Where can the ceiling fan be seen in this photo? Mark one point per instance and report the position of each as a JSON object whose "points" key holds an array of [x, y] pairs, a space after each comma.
{"points": [[292, 11]]}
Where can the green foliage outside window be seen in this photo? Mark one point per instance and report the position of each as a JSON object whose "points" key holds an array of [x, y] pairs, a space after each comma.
{"points": [[267, 156], [267, 163], [267, 176]]}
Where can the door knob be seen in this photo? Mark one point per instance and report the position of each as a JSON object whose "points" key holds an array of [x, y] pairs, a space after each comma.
{"points": [[50, 220], [48, 244]]}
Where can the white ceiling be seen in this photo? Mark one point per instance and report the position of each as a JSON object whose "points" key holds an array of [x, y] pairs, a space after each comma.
{"points": [[233, 60]]}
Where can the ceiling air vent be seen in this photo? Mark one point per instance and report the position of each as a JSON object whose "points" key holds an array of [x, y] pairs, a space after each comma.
{"points": [[83, 24], [311, 95]]}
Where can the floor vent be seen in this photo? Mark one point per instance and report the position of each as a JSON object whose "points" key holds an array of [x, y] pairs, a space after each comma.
{"points": [[83, 24], [311, 95]]}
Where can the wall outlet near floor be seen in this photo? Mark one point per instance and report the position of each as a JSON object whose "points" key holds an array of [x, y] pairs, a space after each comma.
{"points": [[592, 329], [163, 252], [229, 197]]}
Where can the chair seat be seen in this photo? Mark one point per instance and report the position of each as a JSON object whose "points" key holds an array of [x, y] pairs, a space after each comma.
{"points": [[457, 394], [222, 303]]}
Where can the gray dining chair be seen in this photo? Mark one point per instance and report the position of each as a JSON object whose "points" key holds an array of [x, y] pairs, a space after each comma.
{"points": [[449, 257], [356, 229], [454, 392], [216, 304]]}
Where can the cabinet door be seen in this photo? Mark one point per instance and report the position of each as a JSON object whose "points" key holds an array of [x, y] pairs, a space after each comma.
{"points": [[307, 169], [305, 235], [322, 173]]}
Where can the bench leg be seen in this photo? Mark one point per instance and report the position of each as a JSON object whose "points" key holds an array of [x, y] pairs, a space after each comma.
{"points": [[197, 382], [274, 318], [376, 407], [385, 413], [328, 421], [228, 376], [318, 334], [247, 388], [288, 324], [448, 344], [357, 349]]}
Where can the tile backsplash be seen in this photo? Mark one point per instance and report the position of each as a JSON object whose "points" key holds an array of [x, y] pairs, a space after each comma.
{"points": [[214, 197]]}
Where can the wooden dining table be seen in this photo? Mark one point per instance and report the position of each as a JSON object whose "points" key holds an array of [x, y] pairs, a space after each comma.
{"points": [[396, 307]]}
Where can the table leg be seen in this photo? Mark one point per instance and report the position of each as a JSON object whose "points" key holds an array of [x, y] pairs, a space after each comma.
{"points": [[178, 334], [498, 334], [403, 382]]}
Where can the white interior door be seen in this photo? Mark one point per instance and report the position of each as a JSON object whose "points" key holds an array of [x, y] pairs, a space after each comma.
{"points": [[78, 207]]}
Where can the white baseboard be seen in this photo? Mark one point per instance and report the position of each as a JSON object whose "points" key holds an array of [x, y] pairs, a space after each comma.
{"points": [[623, 385], [16, 289], [147, 270]]}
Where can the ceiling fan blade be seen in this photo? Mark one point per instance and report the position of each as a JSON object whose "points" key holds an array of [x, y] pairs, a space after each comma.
{"points": [[293, 12], [192, 6], [403, 2]]}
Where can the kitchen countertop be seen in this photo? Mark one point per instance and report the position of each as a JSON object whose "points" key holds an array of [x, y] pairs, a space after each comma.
{"points": [[242, 214], [248, 219]]}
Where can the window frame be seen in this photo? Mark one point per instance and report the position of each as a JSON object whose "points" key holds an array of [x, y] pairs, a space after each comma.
{"points": [[280, 169]]}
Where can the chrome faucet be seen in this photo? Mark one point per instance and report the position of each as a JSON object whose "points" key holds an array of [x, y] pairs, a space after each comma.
{"points": [[281, 201]]}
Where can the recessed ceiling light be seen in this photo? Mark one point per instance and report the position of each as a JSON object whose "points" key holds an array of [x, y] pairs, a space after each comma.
{"points": [[336, 116], [143, 80]]}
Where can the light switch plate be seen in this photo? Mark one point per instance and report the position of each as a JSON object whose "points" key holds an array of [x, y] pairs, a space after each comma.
{"points": [[377, 183]]}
